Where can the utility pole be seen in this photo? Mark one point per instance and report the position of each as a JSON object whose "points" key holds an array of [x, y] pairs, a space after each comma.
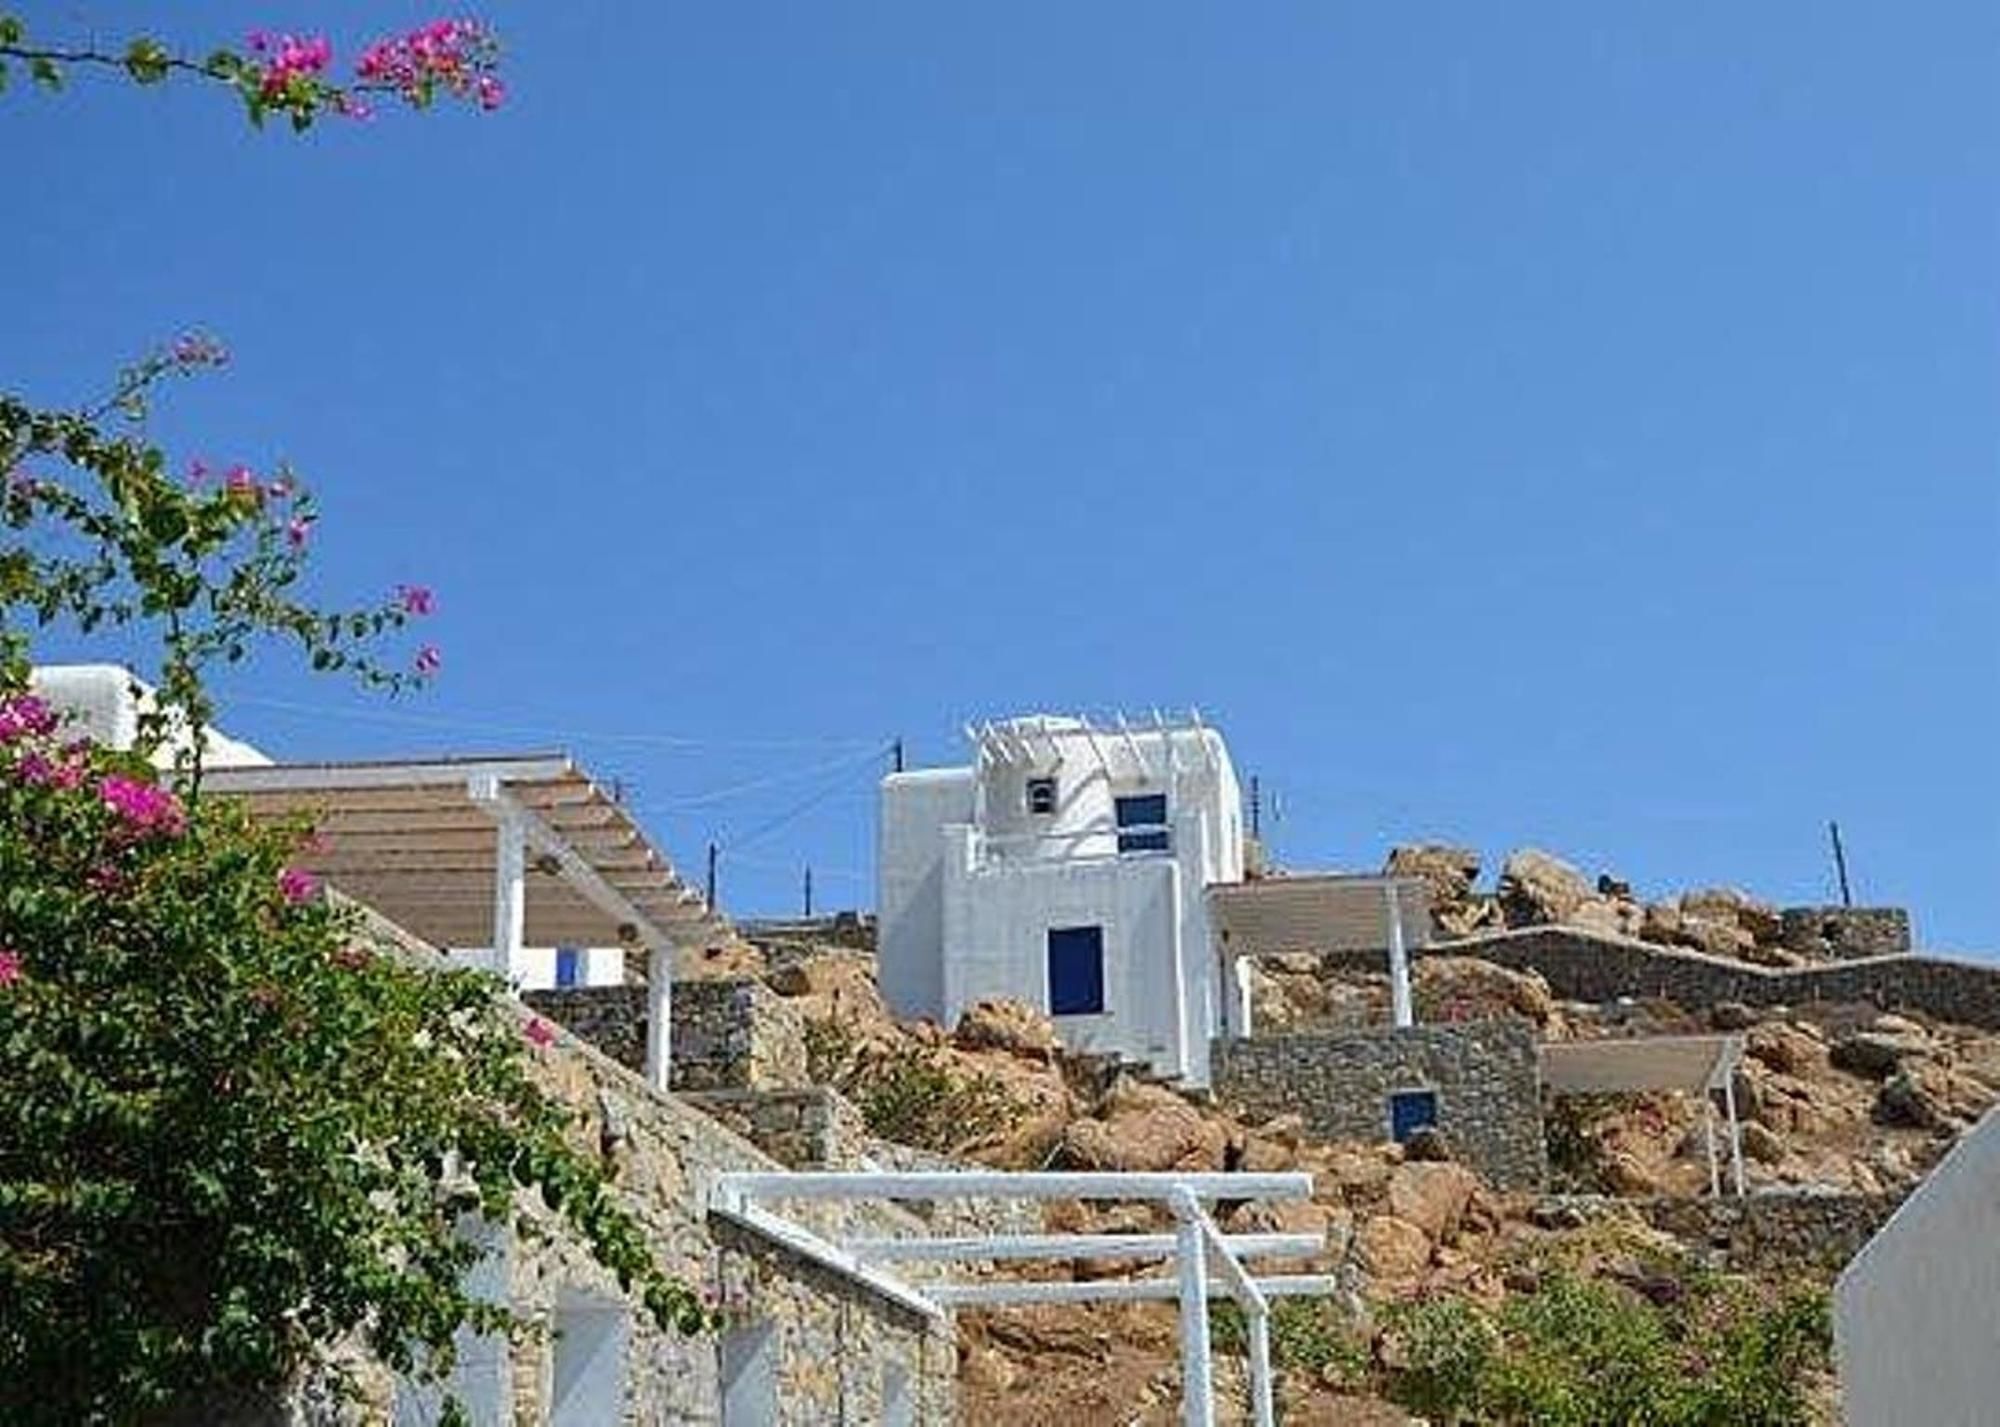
{"points": [[809, 889], [896, 749], [713, 853], [1840, 864], [1256, 807]]}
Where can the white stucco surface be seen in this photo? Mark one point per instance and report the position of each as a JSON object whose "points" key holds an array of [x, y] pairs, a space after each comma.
{"points": [[101, 704], [1917, 1312], [916, 809]]}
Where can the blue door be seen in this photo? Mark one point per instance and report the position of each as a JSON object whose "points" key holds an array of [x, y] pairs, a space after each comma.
{"points": [[1076, 971], [1410, 1111]]}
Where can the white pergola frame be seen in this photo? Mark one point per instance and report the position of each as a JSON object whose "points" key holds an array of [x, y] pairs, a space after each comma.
{"points": [[427, 827], [1195, 1246], [1722, 1054]]}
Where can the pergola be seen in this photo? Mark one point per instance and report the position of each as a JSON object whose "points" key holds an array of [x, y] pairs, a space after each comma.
{"points": [[1323, 912], [500, 852], [1698, 1064]]}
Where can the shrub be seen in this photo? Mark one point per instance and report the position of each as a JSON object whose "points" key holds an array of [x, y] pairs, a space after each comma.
{"points": [[909, 1094]]}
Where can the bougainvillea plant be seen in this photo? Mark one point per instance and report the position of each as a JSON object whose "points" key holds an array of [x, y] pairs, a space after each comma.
{"points": [[291, 75], [236, 1127]]}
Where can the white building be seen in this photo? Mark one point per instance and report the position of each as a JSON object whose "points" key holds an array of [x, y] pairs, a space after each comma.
{"points": [[1916, 1317], [1067, 867]]}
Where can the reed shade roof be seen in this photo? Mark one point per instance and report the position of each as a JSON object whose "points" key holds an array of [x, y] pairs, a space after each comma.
{"points": [[1316, 913], [412, 841], [1641, 1063]]}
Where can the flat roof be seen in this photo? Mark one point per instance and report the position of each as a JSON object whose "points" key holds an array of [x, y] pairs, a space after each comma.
{"points": [[418, 841], [1638, 1063], [1331, 911]]}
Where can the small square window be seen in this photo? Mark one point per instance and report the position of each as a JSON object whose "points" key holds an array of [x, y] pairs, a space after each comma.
{"points": [[1076, 971], [1041, 796], [1142, 822], [1410, 1111]]}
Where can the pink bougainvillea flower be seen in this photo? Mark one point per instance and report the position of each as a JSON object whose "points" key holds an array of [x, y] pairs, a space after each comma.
{"points": [[242, 485], [292, 57], [428, 660], [280, 488], [10, 966], [540, 1032], [197, 472], [490, 92], [196, 350], [143, 807], [296, 530], [297, 885], [456, 56], [416, 599], [24, 715]]}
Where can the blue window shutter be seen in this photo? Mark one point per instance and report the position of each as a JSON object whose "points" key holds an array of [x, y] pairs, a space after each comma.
{"points": [[1145, 815], [1076, 971], [1410, 1111], [569, 967]]}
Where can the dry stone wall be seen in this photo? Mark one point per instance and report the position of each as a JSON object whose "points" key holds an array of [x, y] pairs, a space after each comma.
{"points": [[1486, 1075], [1765, 1235], [727, 1034]]}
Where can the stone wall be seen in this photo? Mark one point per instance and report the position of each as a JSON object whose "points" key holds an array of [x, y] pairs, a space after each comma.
{"points": [[727, 1034], [1845, 933], [1486, 1074], [810, 1128], [1585, 966], [1770, 1234]]}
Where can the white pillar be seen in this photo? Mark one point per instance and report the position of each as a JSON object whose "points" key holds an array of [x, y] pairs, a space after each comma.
{"points": [[1708, 1134], [1197, 1386], [1399, 962], [659, 1017], [1735, 1135], [1241, 1026], [1263, 1407], [510, 896]]}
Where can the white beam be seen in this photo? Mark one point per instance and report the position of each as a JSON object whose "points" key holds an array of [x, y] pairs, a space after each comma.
{"points": [[809, 1245], [1399, 960], [1197, 1382], [1735, 1136], [659, 1017], [510, 896], [329, 777], [1018, 1184], [1109, 1290], [1007, 1247], [491, 794]]}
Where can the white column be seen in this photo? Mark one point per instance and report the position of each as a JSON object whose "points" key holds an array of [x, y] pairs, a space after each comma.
{"points": [[1242, 1027], [1708, 1134], [1197, 1386], [510, 896], [1735, 1134], [659, 1017], [1262, 1406], [1399, 962]]}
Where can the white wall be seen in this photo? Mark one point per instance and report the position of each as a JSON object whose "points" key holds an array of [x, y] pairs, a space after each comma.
{"points": [[997, 920], [909, 929], [102, 706], [602, 965], [1917, 1312]]}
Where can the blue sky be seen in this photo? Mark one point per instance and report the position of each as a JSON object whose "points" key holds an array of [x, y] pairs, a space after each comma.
{"points": [[1558, 424]]}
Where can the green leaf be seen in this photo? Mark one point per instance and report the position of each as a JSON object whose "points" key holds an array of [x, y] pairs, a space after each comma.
{"points": [[10, 30], [46, 72], [146, 60]]}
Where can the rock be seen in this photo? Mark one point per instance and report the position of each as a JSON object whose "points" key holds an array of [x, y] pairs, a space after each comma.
{"points": [[1760, 1142], [836, 982], [1784, 1048], [1143, 1127], [1624, 1174], [1449, 870], [1010, 1026], [1607, 918], [1392, 1248], [1538, 889], [1427, 1143], [1714, 935], [1917, 1098], [1462, 988], [1432, 1196], [1739, 908], [1873, 1054], [1556, 1214], [1893, 1025], [1731, 1016], [1660, 923]]}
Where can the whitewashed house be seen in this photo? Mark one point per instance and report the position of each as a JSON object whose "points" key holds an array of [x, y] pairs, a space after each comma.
{"points": [[1916, 1314], [1067, 867]]}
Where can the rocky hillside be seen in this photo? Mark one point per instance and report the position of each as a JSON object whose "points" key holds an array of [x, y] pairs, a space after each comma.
{"points": [[1449, 1283]]}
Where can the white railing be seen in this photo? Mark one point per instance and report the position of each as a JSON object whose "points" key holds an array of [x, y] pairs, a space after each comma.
{"points": [[1191, 1249]]}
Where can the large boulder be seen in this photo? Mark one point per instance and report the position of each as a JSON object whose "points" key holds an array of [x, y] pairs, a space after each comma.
{"points": [[1143, 1127], [1392, 1248], [1715, 935], [1450, 871], [1012, 1026], [1729, 904], [1876, 1054], [1465, 988], [1431, 1195], [1539, 889]]}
